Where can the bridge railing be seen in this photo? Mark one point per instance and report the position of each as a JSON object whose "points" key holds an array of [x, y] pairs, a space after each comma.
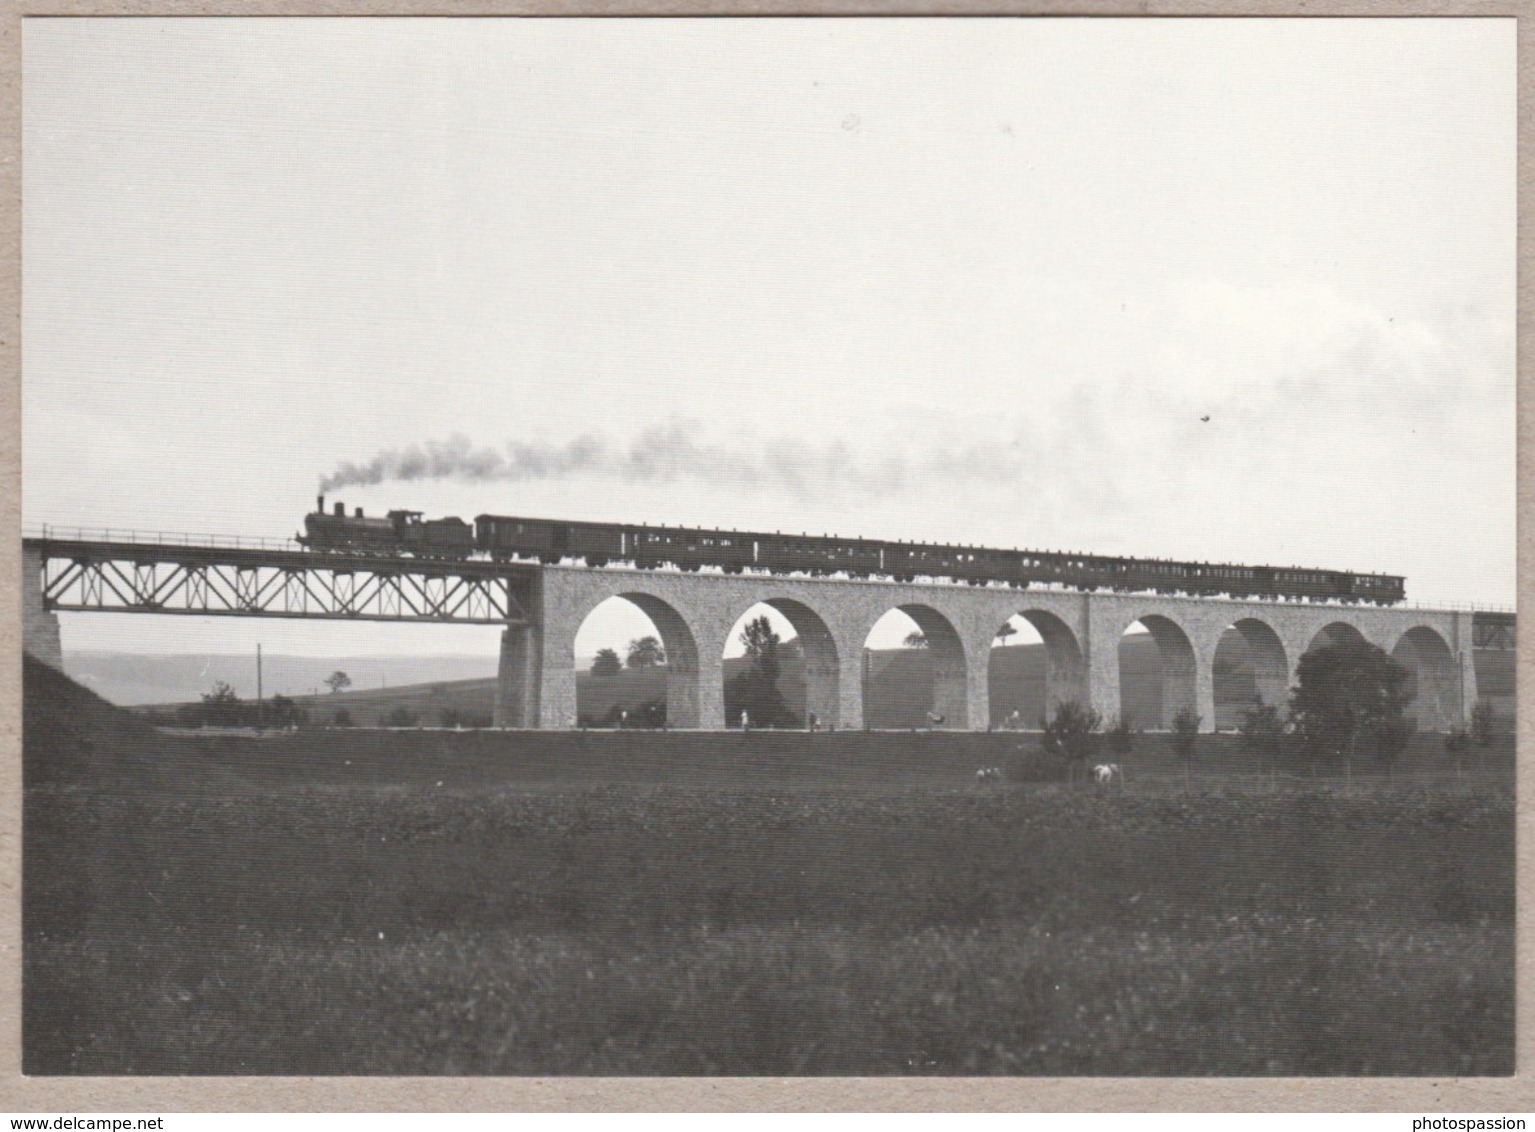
{"points": [[1459, 607], [156, 538]]}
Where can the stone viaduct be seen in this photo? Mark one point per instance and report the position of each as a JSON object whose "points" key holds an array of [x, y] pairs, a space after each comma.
{"points": [[695, 613]]}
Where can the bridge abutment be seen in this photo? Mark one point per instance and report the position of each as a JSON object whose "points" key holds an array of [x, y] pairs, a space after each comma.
{"points": [[39, 627]]}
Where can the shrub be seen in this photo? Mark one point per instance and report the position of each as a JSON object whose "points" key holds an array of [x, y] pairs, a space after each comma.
{"points": [[1484, 722], [1120, 738], [1263, 732], [342, 718], [1392, 737], [1072, 734], [401, 716], [650, 714], [1185, 736], [1030, 764], [283, 712], [222, 707]]}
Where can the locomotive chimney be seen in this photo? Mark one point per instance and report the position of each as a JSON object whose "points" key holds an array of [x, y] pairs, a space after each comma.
{"points": [[341, 510], [320, 506]]}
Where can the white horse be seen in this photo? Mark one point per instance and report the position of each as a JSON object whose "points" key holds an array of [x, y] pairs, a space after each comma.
{"points": [[1105, 773]]}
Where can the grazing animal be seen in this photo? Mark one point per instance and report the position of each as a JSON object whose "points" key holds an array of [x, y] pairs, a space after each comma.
{"points": [[934, 719], [989, 774], [1105, 773]]}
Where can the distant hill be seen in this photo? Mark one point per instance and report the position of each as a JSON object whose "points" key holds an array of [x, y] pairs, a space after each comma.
{"points": [[130, 678], [896, 695]]}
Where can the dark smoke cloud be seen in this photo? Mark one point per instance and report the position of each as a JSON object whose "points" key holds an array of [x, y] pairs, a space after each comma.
{"points": [[675, 451]]}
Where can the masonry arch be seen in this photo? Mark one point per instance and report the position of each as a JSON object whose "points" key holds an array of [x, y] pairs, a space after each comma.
{"points": [[1433, 682], [1334, 633], [632, 696], [810, 678], [1251, 668], [1025, 687], [1158, 679], [904, 685]]}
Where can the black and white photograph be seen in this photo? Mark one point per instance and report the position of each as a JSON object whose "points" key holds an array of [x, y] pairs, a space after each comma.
{"points": [[768, 547]]}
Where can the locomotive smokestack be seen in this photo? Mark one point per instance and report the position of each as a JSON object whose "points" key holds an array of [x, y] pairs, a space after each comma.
{"points": [[320, 505], [341, 510]]}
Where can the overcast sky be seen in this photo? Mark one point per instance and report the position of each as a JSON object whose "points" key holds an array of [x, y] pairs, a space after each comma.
{"points": [[963, 280]]}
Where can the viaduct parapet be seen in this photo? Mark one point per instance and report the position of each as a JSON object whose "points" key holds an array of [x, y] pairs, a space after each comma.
{"points": [[694, 614]]}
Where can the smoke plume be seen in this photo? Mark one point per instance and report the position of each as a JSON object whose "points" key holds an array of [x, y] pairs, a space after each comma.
{"points": [[675, 451]]}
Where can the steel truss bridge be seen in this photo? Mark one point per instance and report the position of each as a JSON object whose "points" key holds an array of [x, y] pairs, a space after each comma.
{"points": [[129, 576]]}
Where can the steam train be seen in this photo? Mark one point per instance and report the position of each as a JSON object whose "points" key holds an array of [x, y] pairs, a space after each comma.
{"points": [[506, 538]]}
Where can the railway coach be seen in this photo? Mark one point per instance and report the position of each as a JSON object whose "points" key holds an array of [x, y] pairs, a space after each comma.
{"points": [[507, 538]]}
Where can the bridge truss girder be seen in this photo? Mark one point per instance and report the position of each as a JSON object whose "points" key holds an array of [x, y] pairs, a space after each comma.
{"points": [[198, 582], [1494, 631]]}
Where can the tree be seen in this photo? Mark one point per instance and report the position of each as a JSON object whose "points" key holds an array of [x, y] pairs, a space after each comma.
{"points": [[343, 718], [756, 690], [646, 652], [1072, 734], [337, 680], [761, 644], [916, 639], [1347, 694], [606, 663], [1005, 632]]}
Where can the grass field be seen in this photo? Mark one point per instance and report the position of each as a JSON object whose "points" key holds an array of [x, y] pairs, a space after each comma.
{"points": [[213, 906]]}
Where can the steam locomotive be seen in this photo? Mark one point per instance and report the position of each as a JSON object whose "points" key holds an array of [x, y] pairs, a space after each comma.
{"points": [[507, 538]]}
